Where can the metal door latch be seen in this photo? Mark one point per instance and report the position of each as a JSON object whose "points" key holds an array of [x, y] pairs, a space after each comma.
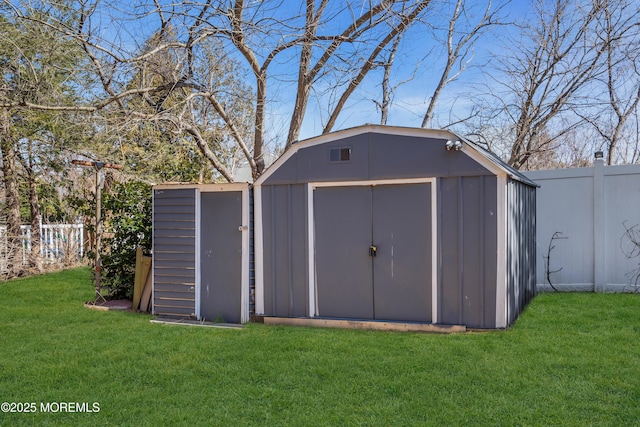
{"points": [[372, 250]]}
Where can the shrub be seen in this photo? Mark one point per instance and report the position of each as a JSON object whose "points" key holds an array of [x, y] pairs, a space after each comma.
{"points": [[127, 216]]}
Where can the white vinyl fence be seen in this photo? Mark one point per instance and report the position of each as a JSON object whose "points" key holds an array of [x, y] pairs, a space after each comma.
{"points": [[590, 211], [59, 244]]}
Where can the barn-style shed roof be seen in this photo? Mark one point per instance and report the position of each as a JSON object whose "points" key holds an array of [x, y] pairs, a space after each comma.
{"points": [[486, 158]]}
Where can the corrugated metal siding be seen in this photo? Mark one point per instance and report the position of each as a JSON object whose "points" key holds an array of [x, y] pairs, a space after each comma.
{"points": [[467, 246], [284, 219], [521, 247], [174, 252]]}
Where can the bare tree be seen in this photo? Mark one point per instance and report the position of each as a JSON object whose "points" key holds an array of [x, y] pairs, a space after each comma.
{"points": [[461, 36], [620, 33], [404, 20], [387, 89], [327, 39], [555, 58], [263, 34], [454, 30]]}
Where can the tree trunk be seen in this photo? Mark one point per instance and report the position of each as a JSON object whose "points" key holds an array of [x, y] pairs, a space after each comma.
{"points": [[35, 258], [258, 137], [34, 208], [305, 80], [12, 197], [386, 82]]}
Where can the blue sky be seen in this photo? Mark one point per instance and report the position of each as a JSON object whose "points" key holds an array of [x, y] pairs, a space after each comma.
{"points": [[121, 22], [410, 98]]}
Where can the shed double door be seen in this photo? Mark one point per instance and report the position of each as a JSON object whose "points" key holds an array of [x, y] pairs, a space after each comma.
{"points": [[373, 252]]}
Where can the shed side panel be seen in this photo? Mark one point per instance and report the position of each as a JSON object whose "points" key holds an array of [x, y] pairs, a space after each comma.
{"points": [[449, 257], [521, 247], [473, 234], [513, 252], [490, 250], [267, 251], [174, 252], [285, 250], [281, 221], [298, 254], [468, 247]]}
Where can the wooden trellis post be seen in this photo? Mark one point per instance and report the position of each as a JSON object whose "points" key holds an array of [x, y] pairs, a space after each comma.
{"points": [[98, 166]]}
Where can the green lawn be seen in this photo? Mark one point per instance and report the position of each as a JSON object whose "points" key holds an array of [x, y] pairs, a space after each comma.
{"points": [[571, 359]]}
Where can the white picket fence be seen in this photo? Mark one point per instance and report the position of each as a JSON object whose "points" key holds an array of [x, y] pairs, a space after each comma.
{"points": [[59, 244]]}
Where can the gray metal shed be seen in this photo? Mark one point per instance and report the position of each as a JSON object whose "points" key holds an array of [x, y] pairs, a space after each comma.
{"points": [[394, 224], [201, 251]]}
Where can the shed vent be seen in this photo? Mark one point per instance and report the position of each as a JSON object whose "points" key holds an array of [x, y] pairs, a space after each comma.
{"points": [[342, 154]]}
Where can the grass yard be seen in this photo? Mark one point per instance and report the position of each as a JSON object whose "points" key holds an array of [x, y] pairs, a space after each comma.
{"points": [[571, 359]]}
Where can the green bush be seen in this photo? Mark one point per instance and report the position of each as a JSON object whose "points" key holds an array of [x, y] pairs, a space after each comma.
{"points": [[127, 214]]}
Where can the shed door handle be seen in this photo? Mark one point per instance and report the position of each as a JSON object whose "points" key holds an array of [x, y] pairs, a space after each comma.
{"points": [[373, 250]]}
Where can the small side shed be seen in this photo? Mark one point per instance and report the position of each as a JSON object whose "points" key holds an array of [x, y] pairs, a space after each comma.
{"points": [[201, 251], [394, 224]]}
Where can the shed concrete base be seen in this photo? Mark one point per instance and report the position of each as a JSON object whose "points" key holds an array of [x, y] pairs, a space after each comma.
{"points": [[365, 324]]}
